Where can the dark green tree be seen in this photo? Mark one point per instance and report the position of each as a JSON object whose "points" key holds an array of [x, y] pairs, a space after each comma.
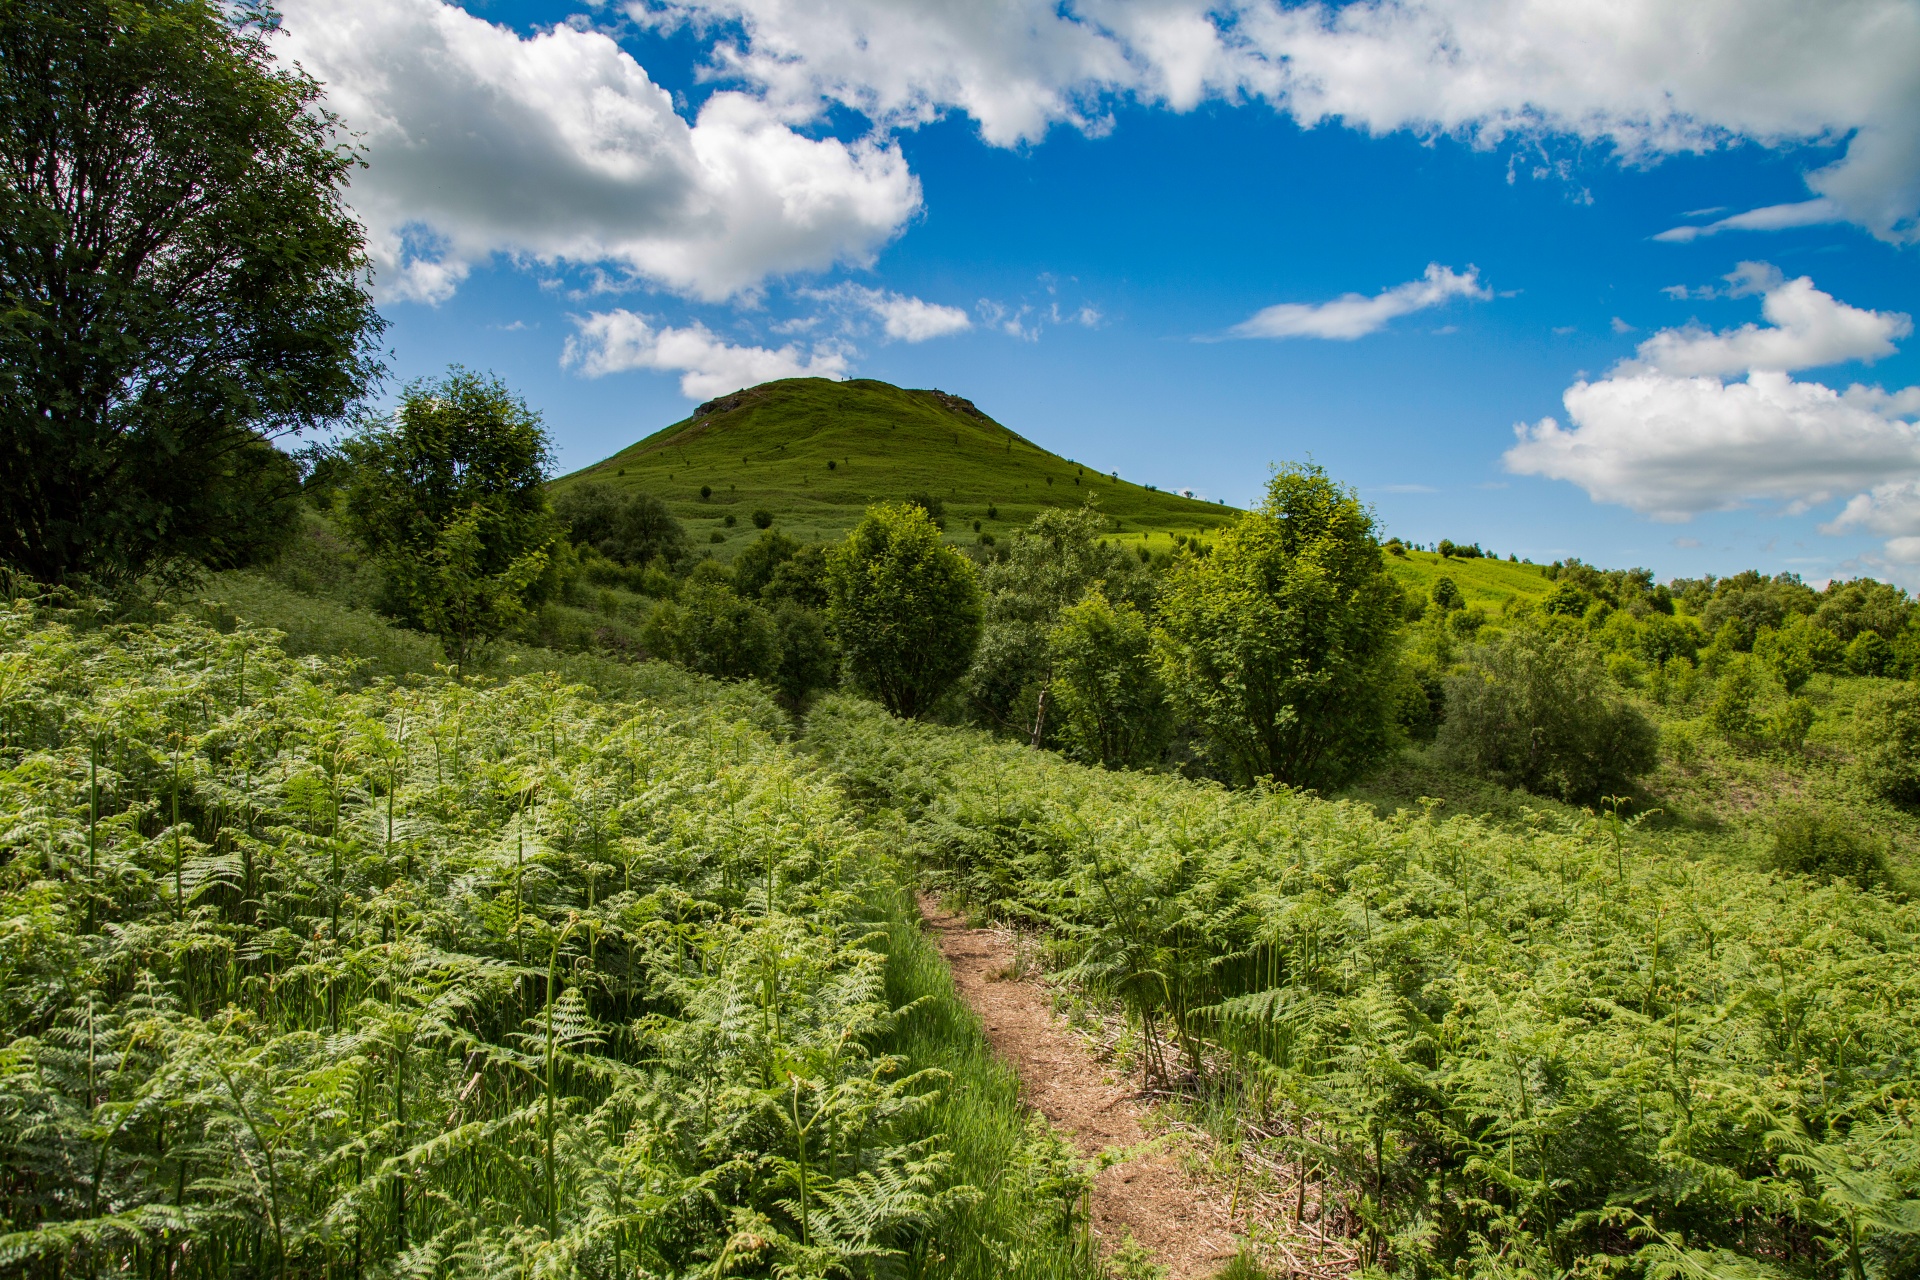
{"points": [[800, 578], [905, 607], [754, 568], [1279, 646], [715, 632], [1537, 711], [448, 497], [627, 526], [179, 283]]}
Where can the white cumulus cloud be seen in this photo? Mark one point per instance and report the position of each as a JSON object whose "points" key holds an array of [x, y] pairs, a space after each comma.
{"points": [[560, 149], [901, 317], [620, 340], [1808, 329], [1355, 315], [1649, 77], [1675, 432]]}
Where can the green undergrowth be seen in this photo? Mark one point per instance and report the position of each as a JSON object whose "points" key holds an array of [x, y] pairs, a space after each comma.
{"points": [[1570, 1049], [305, 973]]}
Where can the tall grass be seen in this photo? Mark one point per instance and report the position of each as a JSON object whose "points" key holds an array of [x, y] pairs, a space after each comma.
{"points": [[304, 976], [1506, 1052]]}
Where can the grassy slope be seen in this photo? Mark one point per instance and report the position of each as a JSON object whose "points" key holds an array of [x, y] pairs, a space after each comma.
{"points": [[1487, 583], [769, 447]]}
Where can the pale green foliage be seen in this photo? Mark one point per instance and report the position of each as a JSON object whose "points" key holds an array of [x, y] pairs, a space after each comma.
{"points": [[1498, 1048], [905, 607], [455, 979], [1537, 710], [1279, 646], [1112, 707]]}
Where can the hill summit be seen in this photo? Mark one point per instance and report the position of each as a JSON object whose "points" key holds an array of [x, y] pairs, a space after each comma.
{"points": [[815, 453]]}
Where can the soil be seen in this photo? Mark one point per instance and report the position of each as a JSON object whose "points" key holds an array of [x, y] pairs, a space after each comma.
{"points": [[1181, 1221]]}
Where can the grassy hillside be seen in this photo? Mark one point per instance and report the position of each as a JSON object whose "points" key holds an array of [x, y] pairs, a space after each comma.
{"points": [[1486, 583], [816, 452]]}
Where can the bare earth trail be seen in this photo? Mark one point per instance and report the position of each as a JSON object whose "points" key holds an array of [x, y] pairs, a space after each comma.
{"points": [[1179, 1220]]}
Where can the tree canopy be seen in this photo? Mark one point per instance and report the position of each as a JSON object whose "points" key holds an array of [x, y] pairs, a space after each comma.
{"points": [[449, 498], [905, 606], [179, 282], [1279, 646]]}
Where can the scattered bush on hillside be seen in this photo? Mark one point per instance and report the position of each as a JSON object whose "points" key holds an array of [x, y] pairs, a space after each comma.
{"points": [[763, 519], [1786, 725], [448, 498], [1889, 745], [1809, 842], [1112, 705], [1536, 711], [1279, 647], [1447, 595], [1735, 691], [905, 607]]}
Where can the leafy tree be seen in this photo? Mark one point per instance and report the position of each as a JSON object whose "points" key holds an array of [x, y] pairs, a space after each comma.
{"points": [[1889, 751], [1112, 704], [179, 283], [1447, 595], [1536, 711], [1731, 711], [800, 578], [1280, 645], [808, 659], [448, 498], [1865, 604], [905, 606], [763, 519], [1048, 566], [1567, 600], [754, 568], [1870, 655], [715, 632], [628, 527]]}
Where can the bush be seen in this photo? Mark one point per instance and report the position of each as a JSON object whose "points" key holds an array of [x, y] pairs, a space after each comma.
{"points": [[628, 528], [1889, 755], [763, 519], [1807, 842], [1731, 711], [808, 659], [1787, 725], [714, 632], [1536, 711], [1870, 654], [754, 568], [1112, 705], [1447, 595]]}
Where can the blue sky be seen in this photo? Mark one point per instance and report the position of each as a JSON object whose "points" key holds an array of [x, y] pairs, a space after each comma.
{"points": [[1117, 226]]}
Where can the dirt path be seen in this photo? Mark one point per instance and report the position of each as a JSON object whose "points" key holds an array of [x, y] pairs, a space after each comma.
{"points": [[1178, 1219]]}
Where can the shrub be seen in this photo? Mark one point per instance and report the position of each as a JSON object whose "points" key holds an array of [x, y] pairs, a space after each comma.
{"points": [[754, 568], [1625, 670], [706, 491], [1808, 842], [1466, 623], [1566, 600], [716, 536], [730, 520], [714, 632], [763, 519], [1536, 711], [808, 658], [628, 527], [1889, 752], [1787, 725], [1731, 711], [1447, 595]]}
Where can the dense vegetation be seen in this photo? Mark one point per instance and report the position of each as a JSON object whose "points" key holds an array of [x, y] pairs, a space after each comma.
{"points": [[1511, 1053], [463, 977]]}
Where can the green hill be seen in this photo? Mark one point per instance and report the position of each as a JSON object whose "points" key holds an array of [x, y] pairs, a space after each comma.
{"points": [[1483, 581], [815, 453]]}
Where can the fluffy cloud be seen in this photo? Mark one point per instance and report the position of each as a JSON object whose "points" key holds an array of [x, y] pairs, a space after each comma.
{"points": [[1649, 77], [620, 340], [561, 149], [1668, 434], [1808, 329], [1354, 315], [902, 318]]}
